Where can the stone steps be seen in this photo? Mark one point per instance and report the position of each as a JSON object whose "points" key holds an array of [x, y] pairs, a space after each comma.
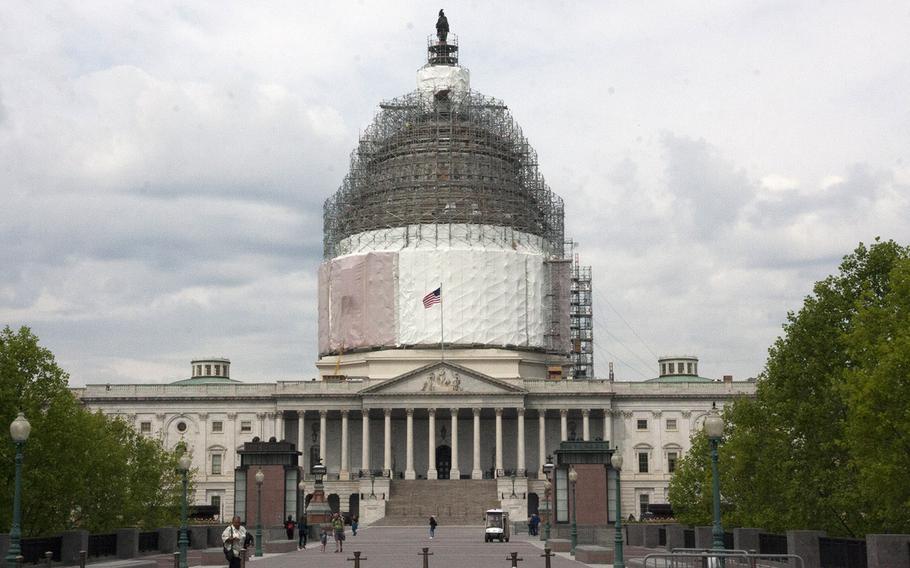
{"points": [[453, 502]]}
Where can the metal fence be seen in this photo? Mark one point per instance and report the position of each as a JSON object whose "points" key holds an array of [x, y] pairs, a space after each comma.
{"points": [[33, 549], [102, 545], [679, 558], [769, 543], [842, 552], [148, 541]]}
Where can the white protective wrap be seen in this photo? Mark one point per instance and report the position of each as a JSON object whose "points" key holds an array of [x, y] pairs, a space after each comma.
{"points": [[431, 79], [490, 296]]}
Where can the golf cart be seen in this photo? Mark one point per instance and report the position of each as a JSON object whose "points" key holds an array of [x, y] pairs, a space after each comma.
{"points": [[496, 526]]}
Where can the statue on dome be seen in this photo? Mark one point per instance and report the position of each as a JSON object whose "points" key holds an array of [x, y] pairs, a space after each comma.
{"points": [[442, 27]]}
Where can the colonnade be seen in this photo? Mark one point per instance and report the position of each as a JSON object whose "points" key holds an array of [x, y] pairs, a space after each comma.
{"points": [[345, 473]]}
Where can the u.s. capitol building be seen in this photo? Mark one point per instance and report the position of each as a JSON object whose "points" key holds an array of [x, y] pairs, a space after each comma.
{"points": [[445, 329]]}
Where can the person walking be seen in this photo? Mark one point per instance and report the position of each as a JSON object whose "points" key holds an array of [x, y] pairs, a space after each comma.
{"points": [[324, 537], [302, 530], [355, 522], [289, 527], [234, 540], [433, 524], [338, 529]]}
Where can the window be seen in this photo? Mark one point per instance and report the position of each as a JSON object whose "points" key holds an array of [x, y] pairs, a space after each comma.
{"points": [[208, 370], [217, 370], [216, 464], [689, 368], [642, 462], [217, 426], [663, 368], [181, 426], [643, 501], [199, 370], [642, 423], [671, 424], [671, 461], [216, 501], [246, 426], [145, 427], [672, 367]]}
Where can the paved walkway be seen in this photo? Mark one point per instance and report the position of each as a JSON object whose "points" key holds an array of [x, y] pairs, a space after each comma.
{"points": [[397, 547]]}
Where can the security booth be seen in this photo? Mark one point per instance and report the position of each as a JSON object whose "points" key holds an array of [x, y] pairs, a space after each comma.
{"points": [[277, 496], [594, 480]]}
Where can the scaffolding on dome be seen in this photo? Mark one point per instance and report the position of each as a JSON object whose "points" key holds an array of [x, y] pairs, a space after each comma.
{"points": [[443, 159]]}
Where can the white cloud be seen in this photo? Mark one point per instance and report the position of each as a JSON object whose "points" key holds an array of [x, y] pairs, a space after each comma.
{"points": [[163, 167]]}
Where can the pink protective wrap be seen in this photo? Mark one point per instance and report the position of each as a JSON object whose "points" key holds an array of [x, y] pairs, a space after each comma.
{"points": [[357, 302]]}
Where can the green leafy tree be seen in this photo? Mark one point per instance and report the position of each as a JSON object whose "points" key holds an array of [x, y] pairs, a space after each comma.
{"points": [[81, 469], [790, 458], [877, 394]]}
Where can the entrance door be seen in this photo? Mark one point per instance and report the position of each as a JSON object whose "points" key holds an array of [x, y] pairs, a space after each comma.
{"points": [[443, 462]]}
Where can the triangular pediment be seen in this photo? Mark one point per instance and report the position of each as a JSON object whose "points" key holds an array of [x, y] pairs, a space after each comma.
{"points": [[443, 378]]}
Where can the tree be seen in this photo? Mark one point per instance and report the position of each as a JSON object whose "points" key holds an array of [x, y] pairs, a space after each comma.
{"points": [[789, 459], [81, 469]]}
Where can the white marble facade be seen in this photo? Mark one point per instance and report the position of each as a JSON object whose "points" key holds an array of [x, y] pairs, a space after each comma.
{"points": [[504, 426]]}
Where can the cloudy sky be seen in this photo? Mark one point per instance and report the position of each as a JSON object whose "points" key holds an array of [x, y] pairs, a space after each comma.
{"points": [[163, 165]]}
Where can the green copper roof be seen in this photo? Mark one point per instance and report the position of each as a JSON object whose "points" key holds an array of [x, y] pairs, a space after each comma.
{"points": [[680, 379], [205, 381]]}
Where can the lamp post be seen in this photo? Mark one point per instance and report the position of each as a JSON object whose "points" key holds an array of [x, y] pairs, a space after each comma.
{"points": [[547, 470], [19, 430], [513, 495], [260, 477], [372, 488], [573, 478], [616, 462], [183, 466], [714, 428]]}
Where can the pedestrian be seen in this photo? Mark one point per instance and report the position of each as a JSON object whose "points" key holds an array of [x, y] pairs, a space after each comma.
{"points": [[535, 524], [324, 537], [433, 524], [338, 529], [234, 540], [302, 529], [355, 522], [289, 527]]}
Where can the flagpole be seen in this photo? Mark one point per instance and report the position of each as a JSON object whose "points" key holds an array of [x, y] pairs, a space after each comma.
{"points": [[442, 336]]}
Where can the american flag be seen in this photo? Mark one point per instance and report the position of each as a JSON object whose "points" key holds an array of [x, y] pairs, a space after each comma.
{"points": [[433, 297]]}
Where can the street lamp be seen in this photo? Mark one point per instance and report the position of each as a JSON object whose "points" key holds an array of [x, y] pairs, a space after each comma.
{"points": [[714, 428], [616, 462], [547, 470], [573, 478], [513, 495], [183, 466], [260, 477], [372, 482], [19, 430]]}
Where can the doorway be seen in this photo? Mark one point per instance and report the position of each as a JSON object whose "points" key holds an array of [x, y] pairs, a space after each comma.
{"points": [[443, 461]]}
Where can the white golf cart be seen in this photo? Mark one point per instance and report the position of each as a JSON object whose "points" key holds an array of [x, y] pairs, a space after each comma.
{"points": [[496, 526]]}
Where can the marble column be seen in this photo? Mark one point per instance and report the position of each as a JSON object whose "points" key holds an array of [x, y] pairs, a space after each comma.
{"points": [[520, 458], [301, 446], [608, 427], [541, 441], [454, 473], [563, 425], [365, 443], [498, 441], [387, 443], [279, 425], [431, 437], [323, 428], [476, 473], [409, 457], [585, 425], [344, 472], [260, 422]]}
